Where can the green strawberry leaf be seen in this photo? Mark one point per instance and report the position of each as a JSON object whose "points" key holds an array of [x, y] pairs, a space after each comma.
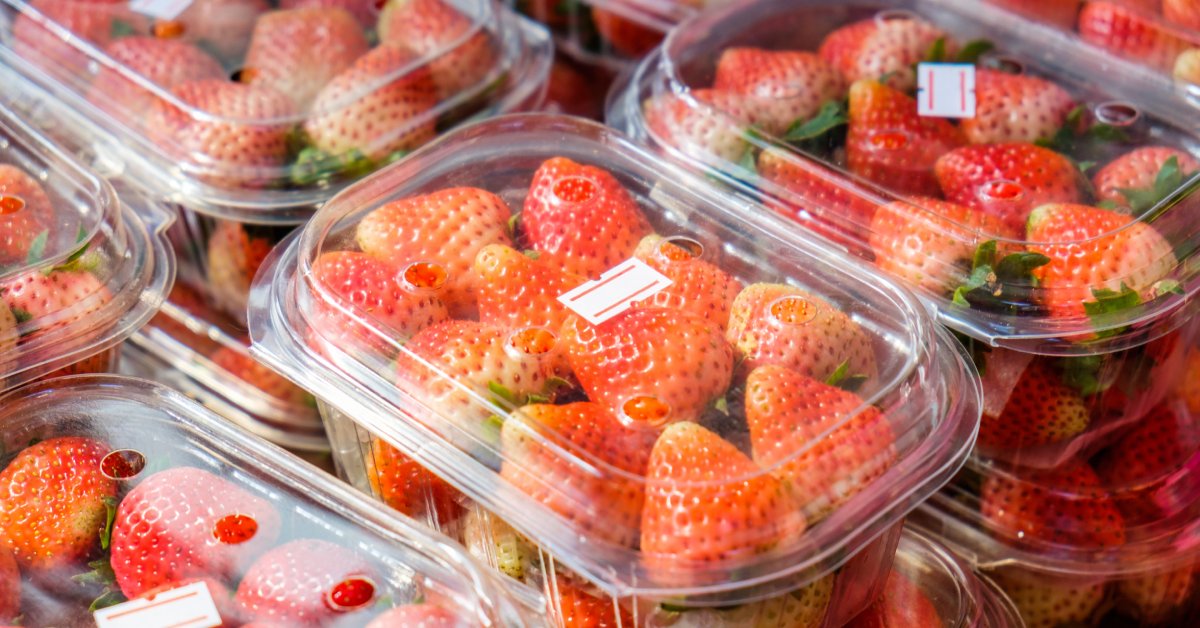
{"points": [[886, 77], [1108, 302], [514, 223], [1167, 286], [81, 234], [504, 393], [1169, 179], [531, 253], [721, 405], [999, 285], [394, 157], [985, 255], [838, 374], [314, 165], [960, 297], [1083, 374], [842, 378], [110, 514], [1084, 166], [831, 116], [120, 28], [747, 161], [974, 49], [110, 597], [37, 248], [1017, 267], [1108, 133], [937, 51], [1108, 204], [536, 398], [22, 315]]}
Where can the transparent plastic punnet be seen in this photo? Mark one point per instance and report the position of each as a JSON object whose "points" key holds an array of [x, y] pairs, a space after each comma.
{"points": [[238, 109], [275, 540], [409, 305], [1054, 231], [79, 269]]}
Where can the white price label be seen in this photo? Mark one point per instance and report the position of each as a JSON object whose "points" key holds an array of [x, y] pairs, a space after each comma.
{"points": [[599, 300], [189, 606], [161, 9], [946, 90]]}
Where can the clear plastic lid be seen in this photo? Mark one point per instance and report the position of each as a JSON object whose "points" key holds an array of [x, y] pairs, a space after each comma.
{"points": [[106, 471], [80, 270], [610, 33], [566, 328], [256, 113], [1056, 218]]}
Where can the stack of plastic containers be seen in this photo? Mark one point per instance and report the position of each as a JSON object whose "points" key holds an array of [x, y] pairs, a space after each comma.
{"points": [[605, 352], [80, 268], [117, 489], [1054, 228]]}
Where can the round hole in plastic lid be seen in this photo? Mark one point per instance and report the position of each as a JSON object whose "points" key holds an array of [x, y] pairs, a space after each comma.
{"points": [[11, 204], [894, 15], [682, 248], [1001, 190], [575, 189], [235, 529], [793, 310], [122, 464], [1117, 113], [351, 594], [532, 341], [646, 410], [425, 275]]}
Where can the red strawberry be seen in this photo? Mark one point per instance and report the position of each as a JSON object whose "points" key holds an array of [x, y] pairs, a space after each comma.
{"points": [[88, 22], [1007, 180], [1060, 13], [297, 52], [307, 583], [827, 202], [234, 256], [1042, 409], [706, 503], [1138, 465], [1183, 13], [787, 326], [1094, 254], [354, 112], [60, 297], [788, 412], [626, 36], [25, 212], [239, 365], [1129, 33], [409, 488], [781, 87], [429, 28], [10, 586], [1158, 598], [710, 126], [581, 217], [1050, 600], [571, 89], [365, 11], [518, 290], [164, 63], [187, 523], [889, 144], [1188, 386], [1015, 108], [423, 615], [239, 141], [447, 227], [1187, 67], [1066, 505], [606, 504], [929, 243], [1132, 180], [572, 606], [884, 45], [805, 607], [221, 26], [103, 362], [698, 285], [650, 365], [903, 603], [400, 302], [52, 504]]}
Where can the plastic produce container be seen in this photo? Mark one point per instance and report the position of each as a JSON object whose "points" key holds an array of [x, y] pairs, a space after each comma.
{"points": [[467, 363], [247, 117], [1071, 289], [143, 492], [80, 268]]}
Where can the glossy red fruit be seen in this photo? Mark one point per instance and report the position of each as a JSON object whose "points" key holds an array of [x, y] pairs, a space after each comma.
{"points": [[1139, 467], [885, 45], [365, 11], [461, 49], [626, 36], [697, 284], [518, 290], [818, 197], [903, 604], [25, 213], [221, 26], [308, 582], [782, 87], [1060, 13], [54, 300], [1042, 409], [90, 22], [423, 615], [1015, 108], [575, 607], [237, 363], [234, 256], [1127, 32], [164, 63], [1132, 180], [410, 488], [706, 124]]}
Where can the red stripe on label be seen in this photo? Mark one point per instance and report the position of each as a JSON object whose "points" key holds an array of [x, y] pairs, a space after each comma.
{"points": [[931, 74], [626, 299], [188, 622], [962, 89], [154, 605], [601, 284]]}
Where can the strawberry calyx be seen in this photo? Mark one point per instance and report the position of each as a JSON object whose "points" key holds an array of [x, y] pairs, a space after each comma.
{"points": [[1109, 302], [1077, 135], [1083, 374], [101, 575], [841, 378], [822, 130], [314, 165], [1000, 283], [1170, 178], [121, 28]]}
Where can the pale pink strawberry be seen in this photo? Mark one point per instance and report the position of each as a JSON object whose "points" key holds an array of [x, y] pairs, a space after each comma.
{"points": [[238, 141], [54, 300], [25, 213], [1187, 67], [1015, 108], [1048, 600], [353, 112], [817, 196], [518, 290], [429, 28], [308, 582], [89, 23], [163, 63], [1135, 174], [707, 124], [298, 52], [365, 11], [697, 284], [1130, 33], [1182, 13], [424, 615], [888, 45], [781, 87], [220, 26], [448, 227]]}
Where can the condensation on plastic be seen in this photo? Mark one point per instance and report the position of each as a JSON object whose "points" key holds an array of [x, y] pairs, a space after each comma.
{"points": [[171, 431], [924, 386]]}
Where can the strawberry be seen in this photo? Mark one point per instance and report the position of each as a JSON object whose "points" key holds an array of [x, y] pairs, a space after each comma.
{"points": [[422, 615], [581, 218], [1015, 108], [220, 26], [606, 504], [491, 540], [902, 603], [25, 213], [889, 144], [572, 605], [706, 503], [1157, 598], [1141, 178], [238, 364], [1042, 409], [8, 342], [708, 126], [1183, 13], [239, 140], [788, 412], [929, 243], [10, 586], [1138, 465], [626, 36], [812, 193], [297, 52], [650, 365], [884, 46], [1100, 260], [235, 252], [164, 63], [1007, 180], [365, 11], [1050, 600], [52, 504], [518, 290], [447, 227], [1060, 13], [409, 488], [1188, 386], [463, 52], [355, 113], [802, 608], [54, 300], [88, 22], [697, 285], [103, 362], [1127, 32], [787, 326], [1066, 505], [187, 523], [307, 582], [571, 89], [781, 87], [1187, 67]]}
